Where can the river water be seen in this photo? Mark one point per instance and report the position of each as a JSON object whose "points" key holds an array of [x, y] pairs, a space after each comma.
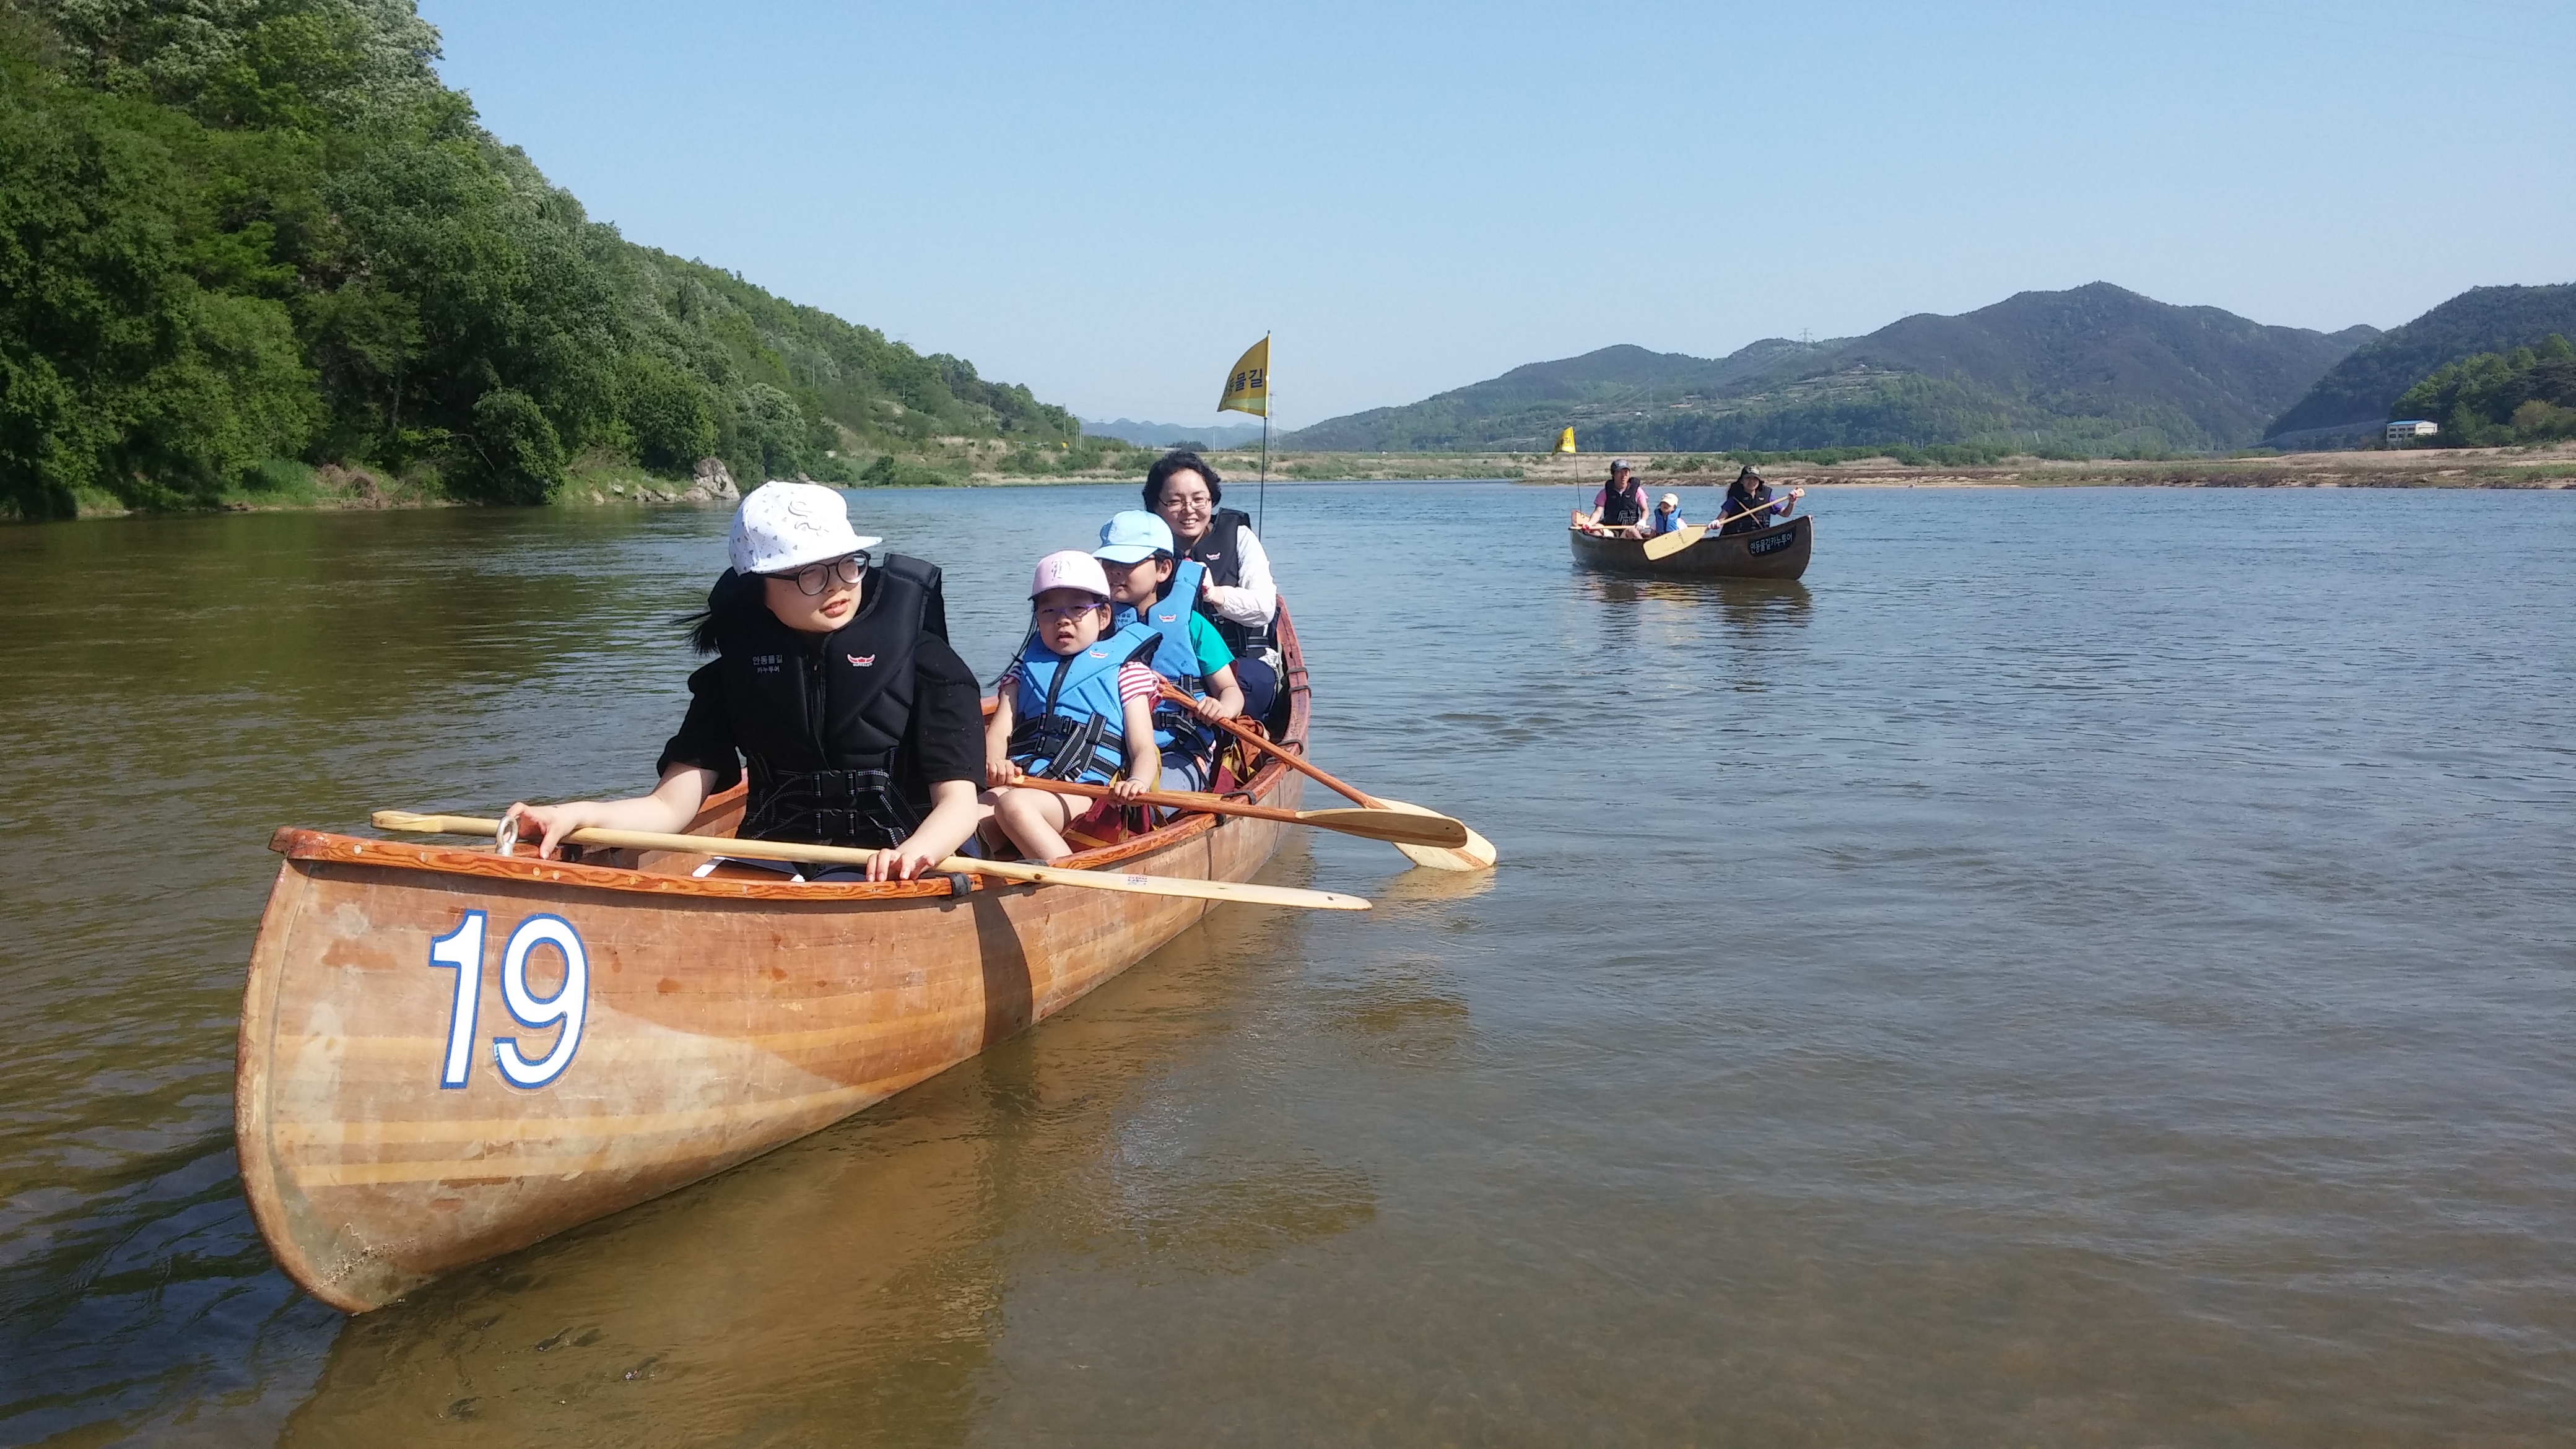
{"points": [[2086, 967]]}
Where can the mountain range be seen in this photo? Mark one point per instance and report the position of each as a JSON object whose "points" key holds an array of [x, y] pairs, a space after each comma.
{"points": [[2096, 369], [1165, 435]]}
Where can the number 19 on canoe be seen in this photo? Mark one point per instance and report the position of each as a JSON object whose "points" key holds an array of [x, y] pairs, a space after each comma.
{"points": [[461, 951]]}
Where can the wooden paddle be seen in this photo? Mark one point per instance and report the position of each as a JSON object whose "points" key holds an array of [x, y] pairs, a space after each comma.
{"points": [[1395, 827], [1238, 892], [1665, 545], [1477, 854]]}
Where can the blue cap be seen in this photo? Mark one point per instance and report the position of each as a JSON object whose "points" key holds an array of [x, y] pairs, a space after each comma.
{"points": [[1133, 537]]}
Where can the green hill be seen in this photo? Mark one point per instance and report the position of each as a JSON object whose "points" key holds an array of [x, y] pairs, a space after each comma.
{"points": [[2358, 392], [2097, 369], [2494, 399], [263, 230]]}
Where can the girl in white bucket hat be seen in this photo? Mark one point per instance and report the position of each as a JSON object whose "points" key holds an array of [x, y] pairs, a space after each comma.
{"points": [[833, 687], [1078, 704]]}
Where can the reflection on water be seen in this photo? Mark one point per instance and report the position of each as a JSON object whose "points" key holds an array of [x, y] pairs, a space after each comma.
{"points": [[2008, 988]]}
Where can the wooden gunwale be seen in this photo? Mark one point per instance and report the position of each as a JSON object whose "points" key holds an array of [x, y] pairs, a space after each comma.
{"points": [[1728, 556], [725, 1018]]}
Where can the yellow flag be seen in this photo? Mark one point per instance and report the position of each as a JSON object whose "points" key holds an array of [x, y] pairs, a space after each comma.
{"points": [[1247, 388], [1565, 441]]}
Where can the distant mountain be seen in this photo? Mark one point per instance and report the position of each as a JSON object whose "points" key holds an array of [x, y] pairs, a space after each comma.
{"points": [[1165, 435], [1525, 406], [2097, 368], [2357, 392]]}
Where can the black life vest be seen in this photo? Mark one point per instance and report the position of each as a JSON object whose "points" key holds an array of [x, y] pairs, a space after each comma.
{"points": [[821, 720], [1222, 552], [1619, 509], [1746, 511]]}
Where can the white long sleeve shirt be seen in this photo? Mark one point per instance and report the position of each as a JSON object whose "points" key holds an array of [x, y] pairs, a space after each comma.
{"points": [[1255, 601]]}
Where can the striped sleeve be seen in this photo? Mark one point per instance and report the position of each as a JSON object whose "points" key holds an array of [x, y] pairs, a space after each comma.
{"points": [[1138, 681]]}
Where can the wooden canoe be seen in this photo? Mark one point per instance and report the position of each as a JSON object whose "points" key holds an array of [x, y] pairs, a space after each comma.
{"points": [[1777, 552], [629, 1028]]}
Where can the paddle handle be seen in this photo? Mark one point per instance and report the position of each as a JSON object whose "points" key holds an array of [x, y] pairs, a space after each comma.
{"points": [[1214, 890], [404, 820], [1174, 799], [1292, 761]]}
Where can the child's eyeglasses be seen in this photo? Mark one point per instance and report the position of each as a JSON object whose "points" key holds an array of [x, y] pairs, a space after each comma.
{"points": [[814, 580], [1067, 611]]}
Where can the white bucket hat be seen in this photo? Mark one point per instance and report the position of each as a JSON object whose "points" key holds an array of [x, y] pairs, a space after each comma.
{"points": [[784, 526]]}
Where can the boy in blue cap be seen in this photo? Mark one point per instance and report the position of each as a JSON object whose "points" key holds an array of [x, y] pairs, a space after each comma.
{"points": [[1148, 582]]}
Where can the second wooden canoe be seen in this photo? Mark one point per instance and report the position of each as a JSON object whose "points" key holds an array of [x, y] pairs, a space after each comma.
{"points": [[1777, 552], [447, 1054]]}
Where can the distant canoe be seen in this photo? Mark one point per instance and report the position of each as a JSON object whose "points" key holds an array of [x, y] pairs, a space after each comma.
{"points": [[603, 1033], [1778, 552]]}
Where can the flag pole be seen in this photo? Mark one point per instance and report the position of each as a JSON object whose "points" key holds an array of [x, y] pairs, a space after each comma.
{"points": [[1268, 393]]}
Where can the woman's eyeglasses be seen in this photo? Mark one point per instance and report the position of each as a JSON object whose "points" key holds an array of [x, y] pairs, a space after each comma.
{"points": [[814, 580]]}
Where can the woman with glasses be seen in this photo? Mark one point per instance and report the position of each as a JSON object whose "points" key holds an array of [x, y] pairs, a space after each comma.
{"points": [[1237, 591], [833, 684]]}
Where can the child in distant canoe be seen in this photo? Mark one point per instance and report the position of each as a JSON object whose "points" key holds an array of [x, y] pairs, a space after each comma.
{"points": [[1078, 704], [1668, 516], [1148, 583]]}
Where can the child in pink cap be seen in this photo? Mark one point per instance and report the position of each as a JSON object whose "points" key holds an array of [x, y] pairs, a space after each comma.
{"points": [[1074, 706]]}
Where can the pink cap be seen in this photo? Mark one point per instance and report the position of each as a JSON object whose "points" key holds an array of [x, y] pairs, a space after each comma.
{"points": [[1070, 568]]}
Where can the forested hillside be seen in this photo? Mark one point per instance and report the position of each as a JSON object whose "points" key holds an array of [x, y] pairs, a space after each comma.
{"points": [[2497, 399], [2097, 370], [2360, 391], [240, 231]]}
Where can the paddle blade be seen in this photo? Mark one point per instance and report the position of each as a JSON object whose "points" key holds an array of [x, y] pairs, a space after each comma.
{"points": [[1395, 827], [1665, 545], [1477, 854]]}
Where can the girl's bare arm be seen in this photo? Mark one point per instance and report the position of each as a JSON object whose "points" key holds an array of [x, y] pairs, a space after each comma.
{"points": [[671, 806]]}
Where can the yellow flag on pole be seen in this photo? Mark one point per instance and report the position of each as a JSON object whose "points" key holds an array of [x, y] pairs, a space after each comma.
{"points": [[1565, 441], [1247, 388]]}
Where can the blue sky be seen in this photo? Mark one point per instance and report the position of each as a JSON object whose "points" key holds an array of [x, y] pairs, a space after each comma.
{"points": [[1109, 202]]}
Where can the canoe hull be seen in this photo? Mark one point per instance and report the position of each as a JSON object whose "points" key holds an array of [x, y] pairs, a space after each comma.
{"points": [[1778, 552], [718, 1019]]}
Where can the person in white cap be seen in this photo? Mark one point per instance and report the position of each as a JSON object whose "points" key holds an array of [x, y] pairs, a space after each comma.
{"points": [[1147, 584], [1621, 504], [1668, 516], [833, 684], [1078, 704]]}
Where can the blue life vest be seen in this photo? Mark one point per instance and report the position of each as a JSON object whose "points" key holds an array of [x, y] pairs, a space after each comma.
{"points": [[1666, 522], [1069, 722], [1176, 659]]}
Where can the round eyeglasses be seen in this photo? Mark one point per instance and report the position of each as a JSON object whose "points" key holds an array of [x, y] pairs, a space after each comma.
{"points": [[816, 579]]}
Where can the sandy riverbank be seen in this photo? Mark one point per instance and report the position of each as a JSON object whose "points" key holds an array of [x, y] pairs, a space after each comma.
{"points": [[2545, 468], [2408, 468]]}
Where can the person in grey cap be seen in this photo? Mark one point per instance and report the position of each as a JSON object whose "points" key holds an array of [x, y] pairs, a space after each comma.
{"points": [[1620, 506]]}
